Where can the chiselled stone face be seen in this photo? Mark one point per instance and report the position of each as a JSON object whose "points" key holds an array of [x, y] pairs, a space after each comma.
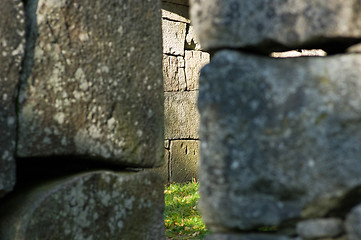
{"points": [[267, 26], [95, 88], [12, 40], [280, 138]]}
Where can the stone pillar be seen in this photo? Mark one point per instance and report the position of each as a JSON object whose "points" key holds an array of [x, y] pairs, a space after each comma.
{"points": [[280, 136]]}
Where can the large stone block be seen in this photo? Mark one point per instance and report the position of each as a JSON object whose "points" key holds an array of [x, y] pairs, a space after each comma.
{"points": [[184, 156], [163, 171], [174, 35], [12, 43], [276, 25], [174, 73], [181, 117], [93, 205], [280, 138], [95, 89]]}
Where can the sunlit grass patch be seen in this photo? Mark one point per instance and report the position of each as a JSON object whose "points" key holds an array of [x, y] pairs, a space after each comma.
{"points": [[182, 219]]}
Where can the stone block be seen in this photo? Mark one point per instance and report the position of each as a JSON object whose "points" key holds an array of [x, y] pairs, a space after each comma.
{"points": [[184, 156], [174, 35], [235, 236], [163, 171], [276, 25], [280, 138], [194, 61], [175, 12], [181, 117], [320, 228], [12, 43], [353, 223], [92, 205], [95, 89], [174, 73]]}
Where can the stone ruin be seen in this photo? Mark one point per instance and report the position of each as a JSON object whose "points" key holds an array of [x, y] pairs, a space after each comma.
{"points": [[81, 109], [183, 57], [280, 137]]}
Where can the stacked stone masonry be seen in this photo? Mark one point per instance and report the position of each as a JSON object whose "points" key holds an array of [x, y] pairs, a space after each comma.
{"points": [[81, 110], [280, 134], [183, 58]]}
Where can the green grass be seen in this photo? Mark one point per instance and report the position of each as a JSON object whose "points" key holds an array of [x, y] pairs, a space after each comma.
{"points": [[182, 219]]}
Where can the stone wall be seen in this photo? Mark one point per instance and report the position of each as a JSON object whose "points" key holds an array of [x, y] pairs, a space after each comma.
{"points": [[81, 109], [280, 136], [183, 58]]}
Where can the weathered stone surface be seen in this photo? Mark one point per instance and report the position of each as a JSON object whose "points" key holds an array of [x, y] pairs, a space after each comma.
{"points": [[276, 25], [353, 223], [320, 228], [280, 138], [174, 73], [96, 87], [192, 41], [235, 236], [12, 40], [181, 117], [174, 34], [175, 12], [299, 53], [184, 156], [194, 61], [94, 205]]}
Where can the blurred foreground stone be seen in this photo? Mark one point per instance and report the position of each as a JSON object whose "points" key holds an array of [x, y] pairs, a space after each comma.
{"points": [[277, 25], [280, 139], [92, 205]]}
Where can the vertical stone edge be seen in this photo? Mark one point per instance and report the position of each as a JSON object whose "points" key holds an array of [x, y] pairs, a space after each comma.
{"points": [[12, 44]]}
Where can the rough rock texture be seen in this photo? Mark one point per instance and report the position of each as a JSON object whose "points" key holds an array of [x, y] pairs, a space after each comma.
{"points": [[12, 40], [93, 205], [268, 26], [280, 138], [181, 117], [235, 236], [96, 87], [194, 61], [184, 155], [353, 223], [175, 12], [174, 73], [320, 228], [174, 34]]}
